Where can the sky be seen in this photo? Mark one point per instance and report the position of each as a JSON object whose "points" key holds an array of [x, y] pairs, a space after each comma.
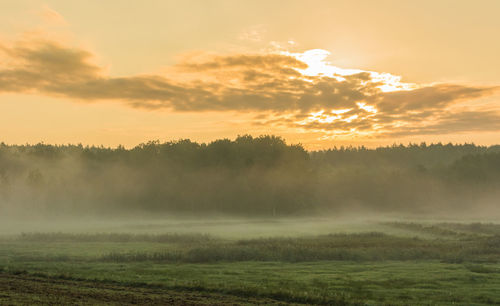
{"points": [[319, 73]]}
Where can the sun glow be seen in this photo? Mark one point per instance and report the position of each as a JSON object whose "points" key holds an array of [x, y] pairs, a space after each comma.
{"points": [[328, 117], [341, 115], [368, 108], [321, 117], [317, 65]]}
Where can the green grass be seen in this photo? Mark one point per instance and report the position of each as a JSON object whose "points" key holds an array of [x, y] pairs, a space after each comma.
{"points": [[408, 264], [427, 282], [189, 248]]}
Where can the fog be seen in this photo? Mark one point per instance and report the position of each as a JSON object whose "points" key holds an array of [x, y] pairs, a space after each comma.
{"points": [[243, 181]]}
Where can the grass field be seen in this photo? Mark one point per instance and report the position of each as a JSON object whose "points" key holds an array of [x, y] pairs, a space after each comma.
{"points": [[222, 262]]}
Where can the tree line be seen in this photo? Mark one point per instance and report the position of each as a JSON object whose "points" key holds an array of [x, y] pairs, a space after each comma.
{"points": [[246, 176]]}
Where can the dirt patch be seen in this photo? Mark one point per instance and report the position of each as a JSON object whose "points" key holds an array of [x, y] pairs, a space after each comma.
{"points": [[27, 289]]}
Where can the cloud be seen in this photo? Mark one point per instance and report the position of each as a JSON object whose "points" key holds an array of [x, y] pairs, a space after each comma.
{"points": [[253, 34], [448, 123], [51, 16], [40, 66], [430, 97], [340, 101], [237, 82]]}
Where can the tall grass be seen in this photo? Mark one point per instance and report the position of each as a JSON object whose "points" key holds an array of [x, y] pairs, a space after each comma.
{"points": [[371, 246], [348, 247], [449, 228]]}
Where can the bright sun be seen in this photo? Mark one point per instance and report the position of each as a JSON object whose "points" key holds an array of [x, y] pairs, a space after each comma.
{"points": [[317, 65]]}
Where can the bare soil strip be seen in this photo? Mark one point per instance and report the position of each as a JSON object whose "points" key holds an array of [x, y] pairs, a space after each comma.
{"points": [[26, 289]]}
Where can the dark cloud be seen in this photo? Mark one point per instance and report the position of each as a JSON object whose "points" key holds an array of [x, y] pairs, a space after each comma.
{"points": [[268, 84], [40, 65], [430, 97], [467, 121], [270, 62]]}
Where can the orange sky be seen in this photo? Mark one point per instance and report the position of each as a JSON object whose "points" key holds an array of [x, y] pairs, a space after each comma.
{"points": [[321, 73]]}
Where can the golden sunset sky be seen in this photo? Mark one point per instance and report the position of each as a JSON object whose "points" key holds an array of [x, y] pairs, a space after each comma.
{"points": [[320, 73]]}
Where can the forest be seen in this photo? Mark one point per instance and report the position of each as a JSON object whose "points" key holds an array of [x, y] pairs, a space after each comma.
{"points": [[247, 176]]}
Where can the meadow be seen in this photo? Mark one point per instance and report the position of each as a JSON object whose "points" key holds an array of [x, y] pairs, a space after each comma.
{"points": [[249, 221], [255, 261]]}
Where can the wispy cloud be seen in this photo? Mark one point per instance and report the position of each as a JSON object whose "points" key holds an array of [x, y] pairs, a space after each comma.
{"points": [[253, 33], [51, 16], [285, 89]]}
